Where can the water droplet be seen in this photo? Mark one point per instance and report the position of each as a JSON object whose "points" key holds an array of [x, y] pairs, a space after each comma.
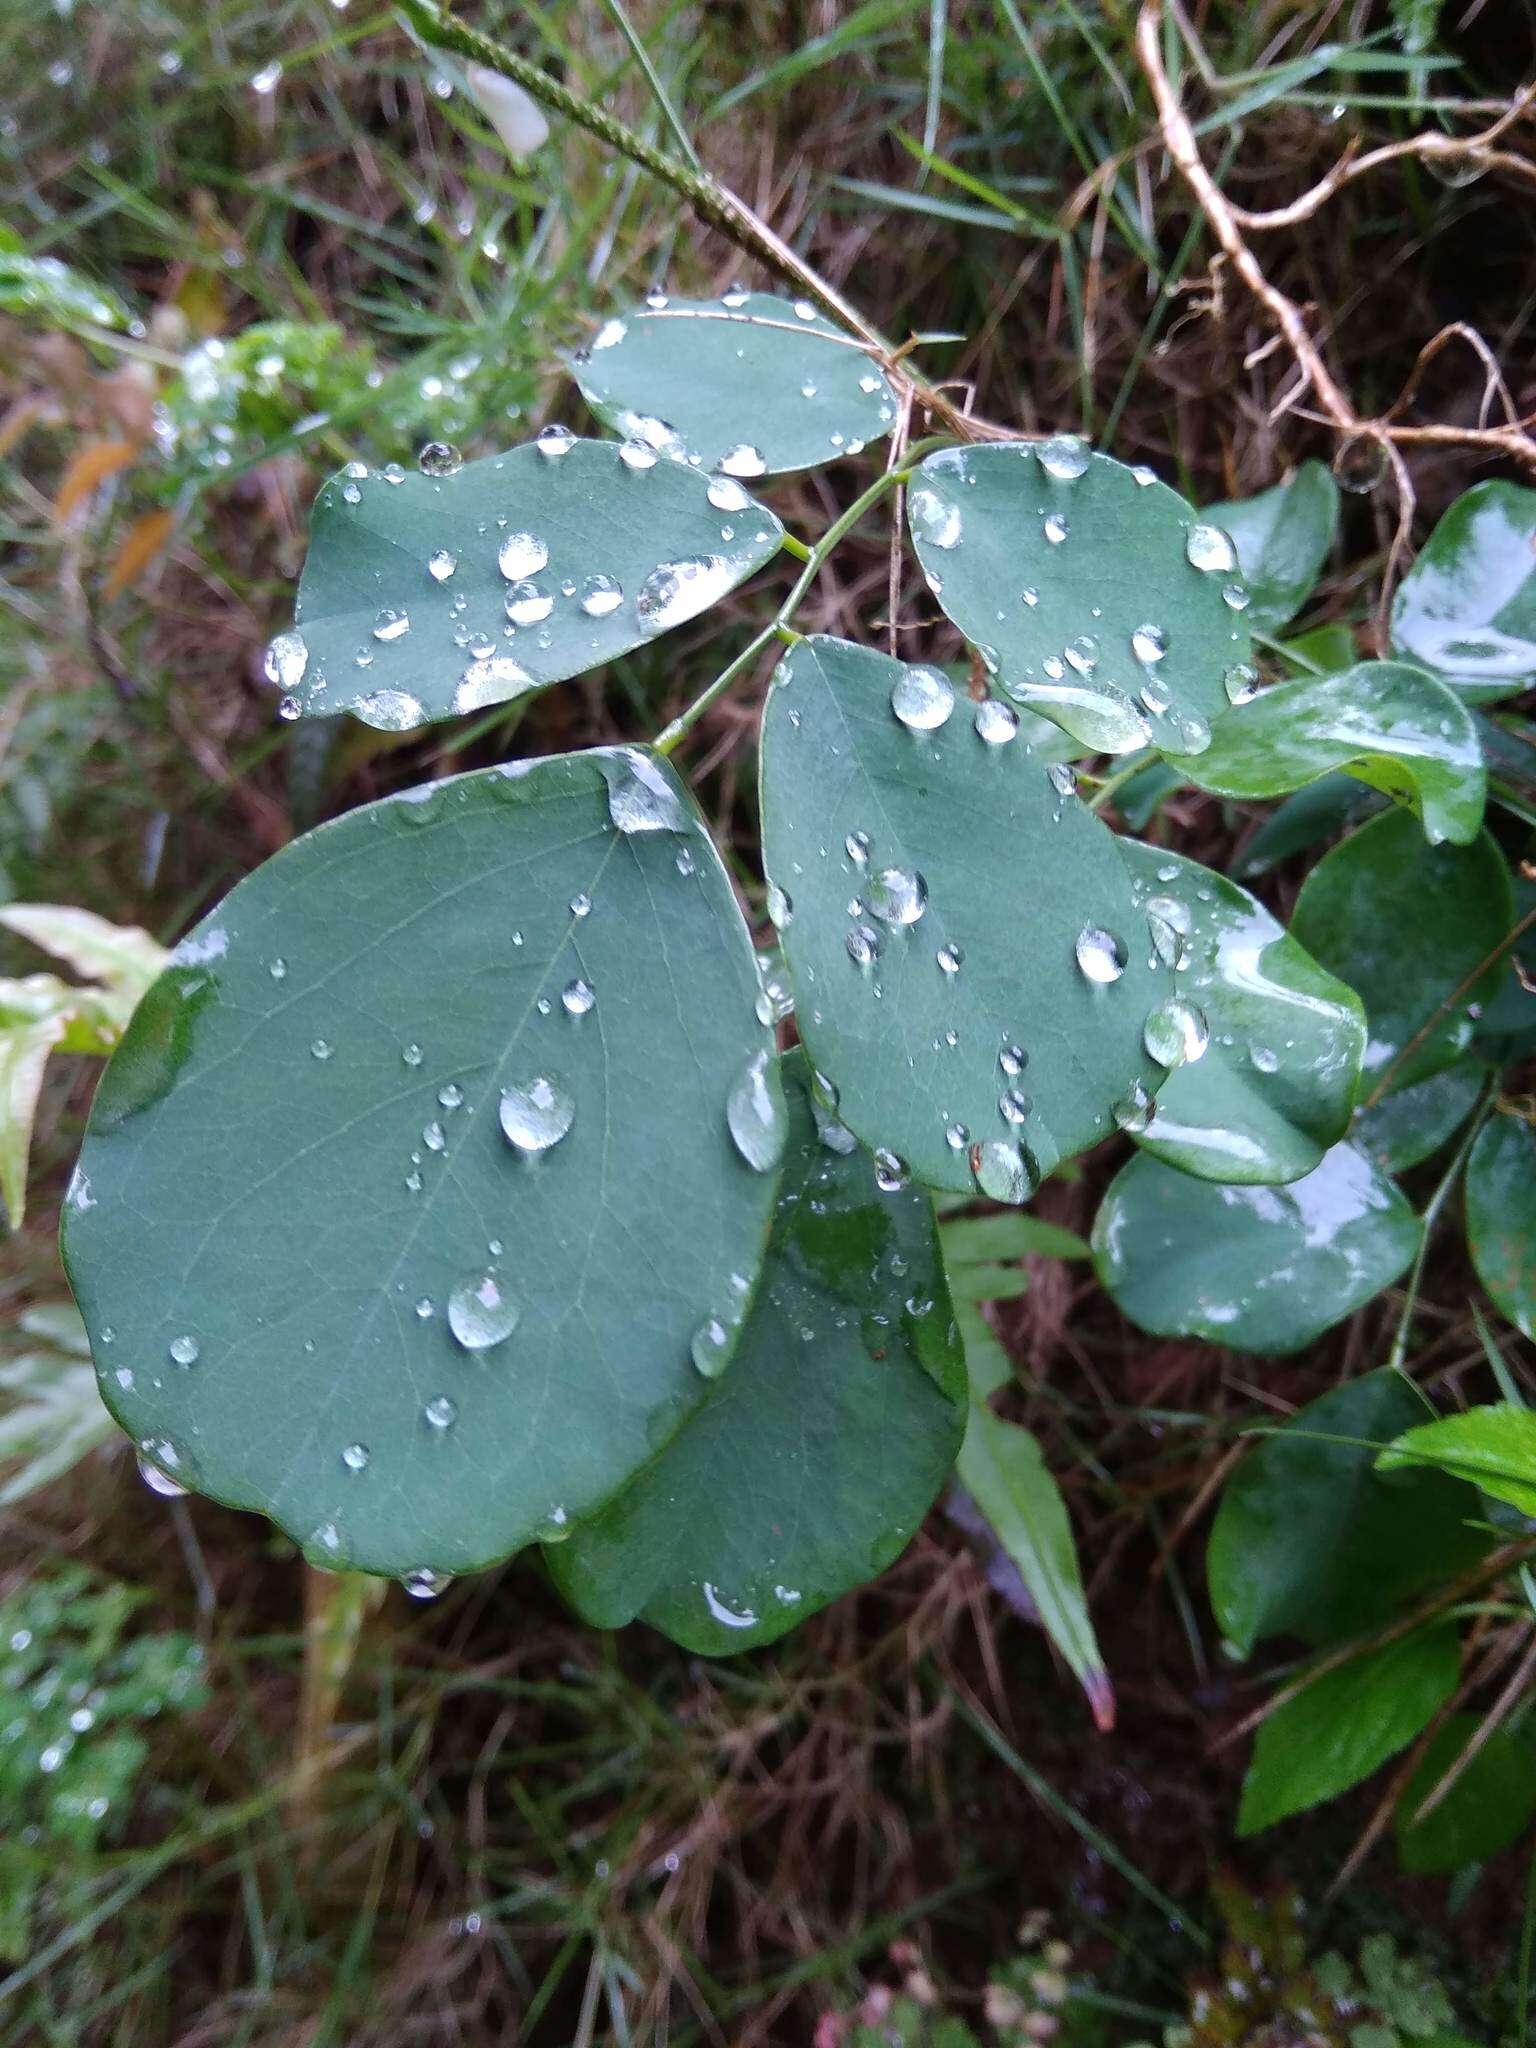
{"points": [[424, 1584], [891, 1174], [424, 1309], [1175, 1032], [528, 604], [537, 1114], [1082, 654], [863, 945], [755, 1114], [781, 908], [1149, 643], [1063, 778], [957, 1137], [1004, 1172], [159, 1462], [1210, 550], [898, 896], [922, 698], [480, 1314], [554, 441], [411, 1054], [711, 1347], [433, 1137], [184, 1351], [1013, 1059], [1013, 1106], [1055, 529], [641, 795], [439, 458], [1133, 1112], [743, 460], [1064, 456], [391, 625], [675, 592], [997, 723], [520, 556], [490, 681], [321, 1049], [265, 81], [950, 958], [451, 1095], [355, 1457], [285, 660], [601, 595], [1234, 596], [1361, 464], [856, 846], [1100, 954], [581, 905], [440, 1412], [441, 564], [804, 310], [935, 519], [391, 710], [612, 332], [1264, 1058], [1241, 682], [637, 455]]}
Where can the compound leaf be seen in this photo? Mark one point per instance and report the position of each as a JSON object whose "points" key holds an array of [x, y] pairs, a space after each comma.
{"points": [[1467, 607], [818, 1453], [1278, 1041], [424, 596], [1258, 1268], [1405, 925], [750, 384], [1346, 1723], [1501, 1216], [1387, 723], [1493, 1447], [1096, 595], [1310, 1540], [412, 1185], [958, 925], [1282, 538]]}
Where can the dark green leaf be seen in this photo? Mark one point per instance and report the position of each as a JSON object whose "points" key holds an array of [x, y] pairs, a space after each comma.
{"points": [[1494, 1448], [818, 1453], [1405, 924], [1077, 580], [1409, 1125], [1258, 1268], [1323, 649], [310, 1202], [1509, 747], [1387, 723], [1501, 1216], [1310, 1540], [1484, 1811], [1317, 812], [1506, 1031], [1281, 1040], [508, 574], [1283, 537], [1346, 1723], [748, 383], [1467, 607], [942, 892]]}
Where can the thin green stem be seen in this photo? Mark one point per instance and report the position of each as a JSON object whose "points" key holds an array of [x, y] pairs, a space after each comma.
{"points": [[685, 721], [664, 105], [1118, 780], [794, 547], [1432, 1210], [1290, 654]]}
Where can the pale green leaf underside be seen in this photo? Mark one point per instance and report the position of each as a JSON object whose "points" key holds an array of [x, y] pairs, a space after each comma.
{"points": [[1387, 723], [1282, 537], [595, 556], [1060, 620], [819, 1451], [1274, 1086], [1467, 607], [751, 383], [1501, 1217], [1346, 1723], [1262, 1269], [1405, 924], [1494, 1448], [1014, 871], [297, 1158]]}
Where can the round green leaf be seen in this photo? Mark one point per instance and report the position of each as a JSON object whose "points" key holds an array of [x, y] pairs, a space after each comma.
{"points": [[748, 383], [1405, 924], [971, 970], [1389, 724], [1272, 1088], [1411, 1124], [1283, 536], [1501, 1216], [1257, 1268], [1094, 593], [327, 1271], [424, 596], [1467, 607], [1310, 1540], [1485, 1810], [818, 1453]]}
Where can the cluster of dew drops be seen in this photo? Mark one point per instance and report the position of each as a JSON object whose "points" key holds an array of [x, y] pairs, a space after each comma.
{"points": [[671, 593], [536, 1115], [940, 522]]}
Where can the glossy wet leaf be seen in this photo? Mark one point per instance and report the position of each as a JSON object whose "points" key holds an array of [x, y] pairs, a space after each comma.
{"points": [[748, 383], [1387, 723], [408, 1189], [1467, 607], [1493, 1447], [1311, 1540], [1077, 579], [944, 894], [1346, 1723], [1273, 1087], [1487, 1808], [1283, 537], [428, 595], [1501, 1216], [1411, 1124], [1262, 1269], [1405, 924], [818, 1453]]}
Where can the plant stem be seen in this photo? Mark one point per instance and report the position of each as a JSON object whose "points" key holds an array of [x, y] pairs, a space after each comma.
{"points": [[685, 721], [336, 1606], [1121, 776], [659, 93]]}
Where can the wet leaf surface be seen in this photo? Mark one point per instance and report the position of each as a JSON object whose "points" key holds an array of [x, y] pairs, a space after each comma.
{"points": [[1283, 536], [1467, 607]]}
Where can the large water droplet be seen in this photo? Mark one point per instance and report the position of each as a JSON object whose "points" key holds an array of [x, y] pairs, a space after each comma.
{"points": [[537, 1114], [1064, 456], [480, 1314], [640, 796], [159, 1462], [743, 460], [441, 564], [285, 660], [1175, 1032], [578, 997], [439, 458], [897, 896], [554, 441], [1004, 1172], [488, 682], [711, 1347], [1210, 550], [528, 604], [922, 698], [1149, 643], [424, 1584], [935, 518], [391, 710], [756, 1116], [675, 592], [1100, 954], [601, 595], [520, 556], [995, 722]]}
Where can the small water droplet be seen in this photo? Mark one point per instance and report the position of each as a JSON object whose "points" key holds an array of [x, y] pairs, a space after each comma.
{"points": [[711, 1347], [554, 441], [891, 1174], [1241, 682], [285, 660], [159, 1462], [391, 624], [922, 698], [184, 1351], [1133, 1112], [856, 846], [1175, 1032], [321, 1049], [1149, 643], [441, 564], [637, 455], [641, 796], [1101, 954], [1361, 464], [996, 723], [743, 460], [897, 896], [440, 1412], [781, 908], [528, 604], [1063, 778], [950, 958], [1014, 1105], [675, 592], [355, 1457], [755, 1114], [1055, 528], [424, 1584], [439, 458], [1013, 1059], [601, 595], [520, 556], [862, 942], [1064, 456], [537, 1114], [1234, 596]]}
